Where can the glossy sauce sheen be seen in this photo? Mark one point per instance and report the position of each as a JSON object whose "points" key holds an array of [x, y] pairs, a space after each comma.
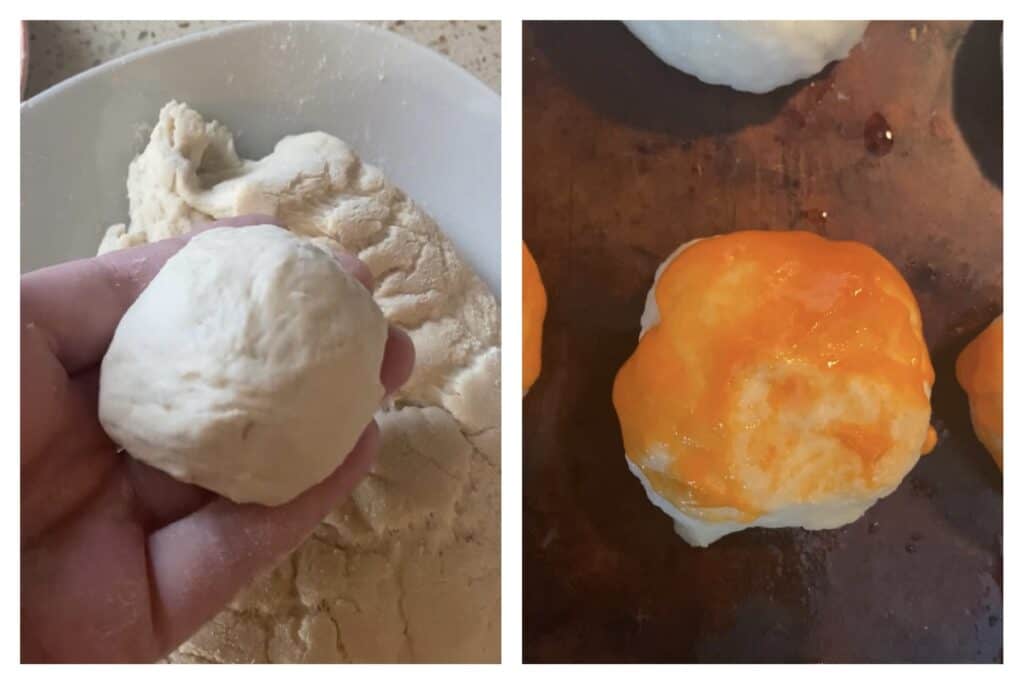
{"points": [[798, 319]]}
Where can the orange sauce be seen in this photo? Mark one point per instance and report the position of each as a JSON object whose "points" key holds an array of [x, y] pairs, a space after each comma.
{"points": [[535, 304], [748, 300], [979, 370], [930, 441]]}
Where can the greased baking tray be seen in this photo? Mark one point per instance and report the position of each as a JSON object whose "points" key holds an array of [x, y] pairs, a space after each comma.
{"points": [[624, 160]]}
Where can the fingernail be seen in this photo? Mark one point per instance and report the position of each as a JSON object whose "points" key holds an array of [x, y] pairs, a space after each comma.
{"points": [[355, 268], [399, 359]]}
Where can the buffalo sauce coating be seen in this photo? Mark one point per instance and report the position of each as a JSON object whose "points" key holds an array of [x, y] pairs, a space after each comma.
{"points": [[534, 307], [979, 370], [763, 301]]}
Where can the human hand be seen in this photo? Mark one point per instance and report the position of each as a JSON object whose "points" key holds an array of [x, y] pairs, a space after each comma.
{"points": [[119, 561]]}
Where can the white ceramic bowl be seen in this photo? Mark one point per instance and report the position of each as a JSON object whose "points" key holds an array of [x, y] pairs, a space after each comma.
{"points": [[432, 128]]}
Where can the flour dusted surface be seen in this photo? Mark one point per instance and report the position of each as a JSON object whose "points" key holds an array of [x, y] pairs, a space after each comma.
{"points": [[408, 568]]}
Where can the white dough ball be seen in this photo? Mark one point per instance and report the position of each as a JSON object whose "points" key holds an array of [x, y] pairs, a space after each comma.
{"points": [[249, 366], [755, 56]]}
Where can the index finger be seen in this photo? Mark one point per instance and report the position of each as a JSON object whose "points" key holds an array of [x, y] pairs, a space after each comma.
{"points": [[78, 304]]}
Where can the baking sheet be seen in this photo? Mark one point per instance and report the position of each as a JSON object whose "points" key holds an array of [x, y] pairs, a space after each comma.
{"points": [[624, 160]]}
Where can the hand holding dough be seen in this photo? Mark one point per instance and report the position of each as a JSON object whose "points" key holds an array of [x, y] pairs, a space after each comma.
{"points": [[249, 366], [119, 561], [418, 548]]}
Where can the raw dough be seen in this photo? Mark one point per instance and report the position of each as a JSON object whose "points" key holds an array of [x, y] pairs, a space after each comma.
{"points": [[249, 366], [755, 56], [408, 569]]}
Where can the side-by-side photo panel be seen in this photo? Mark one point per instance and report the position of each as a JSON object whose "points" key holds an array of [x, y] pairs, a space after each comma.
{"points": [[762, 331], [260, 343]]}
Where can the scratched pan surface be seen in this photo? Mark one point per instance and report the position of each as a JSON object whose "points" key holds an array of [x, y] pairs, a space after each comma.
{"points": [[625, 159]]}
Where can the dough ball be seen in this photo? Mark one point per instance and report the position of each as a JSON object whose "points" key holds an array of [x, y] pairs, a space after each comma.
{"points": [[781, 379], [755, 56], [979, 370], [535, 305], [249, 366]]}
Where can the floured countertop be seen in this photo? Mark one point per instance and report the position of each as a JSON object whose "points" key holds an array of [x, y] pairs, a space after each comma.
{"points": [[61, 49]]}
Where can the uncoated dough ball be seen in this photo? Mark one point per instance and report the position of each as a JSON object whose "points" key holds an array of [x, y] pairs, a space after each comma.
{"points": [[250, 365], [755, 56]]}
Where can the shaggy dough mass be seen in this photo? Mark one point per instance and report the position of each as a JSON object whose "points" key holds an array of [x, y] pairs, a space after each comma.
{"points": [[408, 568], [250, 365]]}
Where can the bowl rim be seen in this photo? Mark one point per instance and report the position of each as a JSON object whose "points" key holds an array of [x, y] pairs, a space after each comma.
{"points": [[440, 69], [246, 26]]}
